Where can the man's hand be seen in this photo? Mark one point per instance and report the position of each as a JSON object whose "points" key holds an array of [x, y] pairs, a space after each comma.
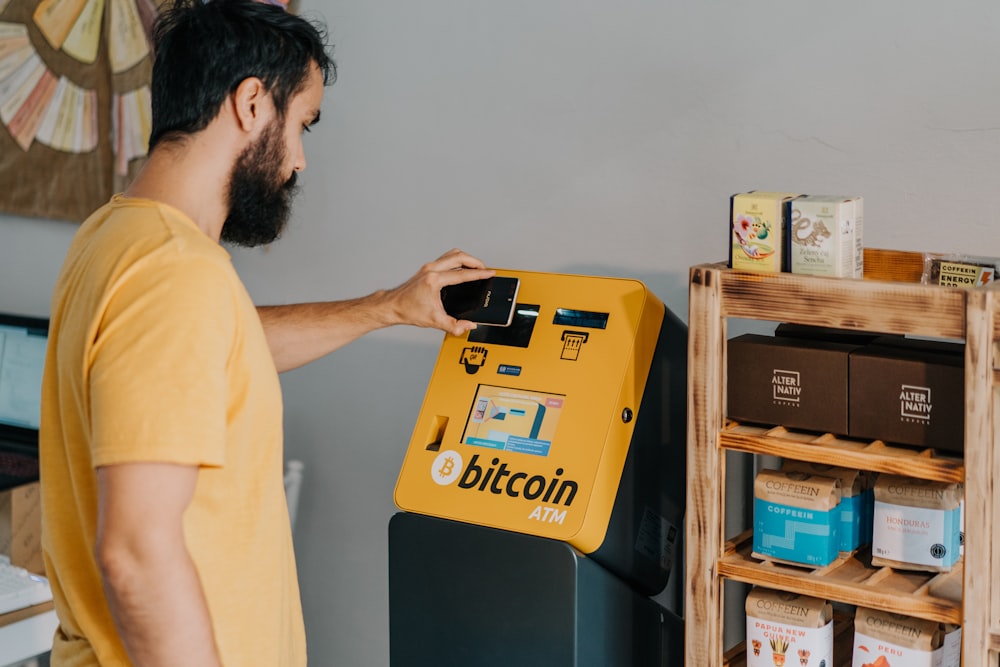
{"points": [[418, 300]]}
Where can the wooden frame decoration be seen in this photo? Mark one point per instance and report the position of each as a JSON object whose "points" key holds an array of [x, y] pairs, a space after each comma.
{"points": [[74, 102]]}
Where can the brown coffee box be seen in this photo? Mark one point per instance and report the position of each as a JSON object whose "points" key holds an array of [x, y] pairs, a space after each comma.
{"points": [[829, 334], [793, 382], [910, 392], [21, 527]]}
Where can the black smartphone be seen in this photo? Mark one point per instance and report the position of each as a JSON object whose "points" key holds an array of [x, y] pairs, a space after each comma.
{"points": [[488, 301]]}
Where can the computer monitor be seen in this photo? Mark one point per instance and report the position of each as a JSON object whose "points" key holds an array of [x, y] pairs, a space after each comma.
{"points": [[23, 342]]}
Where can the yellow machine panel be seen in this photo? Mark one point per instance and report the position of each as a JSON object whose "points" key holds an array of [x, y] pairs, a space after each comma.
{"points": [[527, 428]]}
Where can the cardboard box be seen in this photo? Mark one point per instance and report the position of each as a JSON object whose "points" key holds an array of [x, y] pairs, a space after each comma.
{"points": [[21, 527], [962, 273], [758, 231], [798, 383], [828, 334], [825, 236], [910, 392]]}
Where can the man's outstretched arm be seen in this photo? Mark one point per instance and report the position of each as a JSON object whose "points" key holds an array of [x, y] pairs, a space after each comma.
{"points": [[300, 333]]}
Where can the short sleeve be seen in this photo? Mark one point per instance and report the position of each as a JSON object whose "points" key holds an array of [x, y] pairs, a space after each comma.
{"points": [[157, 369]]}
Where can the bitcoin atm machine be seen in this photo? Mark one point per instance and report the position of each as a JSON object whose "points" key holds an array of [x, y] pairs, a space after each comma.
{"points": [[543, 487]]}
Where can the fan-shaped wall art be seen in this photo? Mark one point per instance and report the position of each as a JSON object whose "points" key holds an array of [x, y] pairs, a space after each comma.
{"points": [[74, 102]]}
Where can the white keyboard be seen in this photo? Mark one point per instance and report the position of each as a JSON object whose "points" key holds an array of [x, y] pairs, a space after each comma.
{"points": [[20, 588]]}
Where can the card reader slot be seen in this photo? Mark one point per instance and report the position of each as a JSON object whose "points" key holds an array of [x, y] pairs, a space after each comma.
{"points": [[580, 318]]}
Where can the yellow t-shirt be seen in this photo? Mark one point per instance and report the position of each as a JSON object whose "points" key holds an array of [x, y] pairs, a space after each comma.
{"points": [[156, 353]]}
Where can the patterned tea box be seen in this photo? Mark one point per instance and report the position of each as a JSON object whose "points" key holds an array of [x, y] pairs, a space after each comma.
{"points": [[825, 236], [758, 227]]}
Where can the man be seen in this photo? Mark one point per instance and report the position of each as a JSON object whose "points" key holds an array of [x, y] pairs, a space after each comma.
{"points": [[165, 528]]}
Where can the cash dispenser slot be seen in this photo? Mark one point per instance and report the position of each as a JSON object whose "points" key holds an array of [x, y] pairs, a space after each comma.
{"points": [[435, 434]]}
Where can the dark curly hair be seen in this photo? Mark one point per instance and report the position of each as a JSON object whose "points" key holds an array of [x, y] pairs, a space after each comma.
{"points": [[203, 50]]}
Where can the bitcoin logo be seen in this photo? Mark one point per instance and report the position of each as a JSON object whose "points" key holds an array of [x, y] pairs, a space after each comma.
{"points": [[447, 467]]}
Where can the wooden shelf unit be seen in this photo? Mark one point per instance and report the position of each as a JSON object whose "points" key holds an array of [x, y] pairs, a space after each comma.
{"points": [[889, 300]]}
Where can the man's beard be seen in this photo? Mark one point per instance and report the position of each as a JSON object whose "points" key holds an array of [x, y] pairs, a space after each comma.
{"points": [[259, 203]]}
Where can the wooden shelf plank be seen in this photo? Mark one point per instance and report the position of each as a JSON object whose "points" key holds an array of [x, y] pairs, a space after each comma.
{"points": [[982, 548], [27, 612], [704, 524], [866, 305], [851, 580], [888, 307], [832, 450]]}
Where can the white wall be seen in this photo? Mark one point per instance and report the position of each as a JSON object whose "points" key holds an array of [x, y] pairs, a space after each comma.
{"points": [[580, 136]]}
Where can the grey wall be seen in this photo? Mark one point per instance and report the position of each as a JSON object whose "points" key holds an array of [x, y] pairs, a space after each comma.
{"points": [[580, 136]]}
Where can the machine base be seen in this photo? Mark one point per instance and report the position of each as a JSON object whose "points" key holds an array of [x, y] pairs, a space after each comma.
{"points": [[462, 595]]}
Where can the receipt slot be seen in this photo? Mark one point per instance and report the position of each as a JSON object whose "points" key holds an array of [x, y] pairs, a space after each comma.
{"points": [[569, 424]]}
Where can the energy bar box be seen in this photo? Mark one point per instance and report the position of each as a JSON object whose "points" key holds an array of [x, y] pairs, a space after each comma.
{"points": [[884, 639], [965, 274], [794, 382], [758, 229], [796, 518], [787, 628], [825, 236], [909, 391], [918, 523]]}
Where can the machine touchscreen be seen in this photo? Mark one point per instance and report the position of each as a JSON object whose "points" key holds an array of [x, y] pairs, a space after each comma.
{"points": [[513, 420]]}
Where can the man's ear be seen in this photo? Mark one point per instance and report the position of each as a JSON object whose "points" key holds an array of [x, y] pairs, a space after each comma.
{"points": [[249, 100]]}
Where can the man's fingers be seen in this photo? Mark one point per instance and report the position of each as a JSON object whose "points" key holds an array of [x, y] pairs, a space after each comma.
{"points": [[465, 275]]}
